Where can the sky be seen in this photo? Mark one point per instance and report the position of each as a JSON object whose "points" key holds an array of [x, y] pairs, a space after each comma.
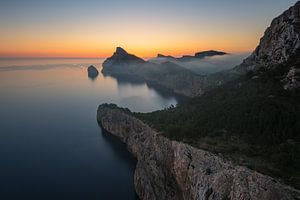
{"points": [[94, 28]]}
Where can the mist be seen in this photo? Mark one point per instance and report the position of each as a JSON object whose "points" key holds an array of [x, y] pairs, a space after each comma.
{"points": [[207, 65]]}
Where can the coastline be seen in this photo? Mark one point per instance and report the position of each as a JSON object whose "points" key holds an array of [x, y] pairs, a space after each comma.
{"points": [[169, 169]]}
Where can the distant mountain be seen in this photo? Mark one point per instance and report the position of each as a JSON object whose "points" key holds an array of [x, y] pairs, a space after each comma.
{"points": [[163, 56], [209, 53], [120, 60], [198, 55], [166, 74]]}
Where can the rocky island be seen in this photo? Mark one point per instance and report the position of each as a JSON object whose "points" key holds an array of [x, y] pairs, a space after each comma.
{"points": [[92, 72]]}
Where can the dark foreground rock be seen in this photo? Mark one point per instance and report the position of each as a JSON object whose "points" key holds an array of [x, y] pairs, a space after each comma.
{"points": [[172, 170]]}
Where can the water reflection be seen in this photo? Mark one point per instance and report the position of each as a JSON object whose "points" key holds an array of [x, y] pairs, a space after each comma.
{"points": [[125, 82], [51, 144], [118, 147]]}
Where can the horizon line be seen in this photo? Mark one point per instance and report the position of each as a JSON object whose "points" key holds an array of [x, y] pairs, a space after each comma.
{"points": [[47, 57]]}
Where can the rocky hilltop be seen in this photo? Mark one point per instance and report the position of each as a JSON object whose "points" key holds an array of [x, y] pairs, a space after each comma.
{"points": [[121, 59], [281, 41], [172, 170]]}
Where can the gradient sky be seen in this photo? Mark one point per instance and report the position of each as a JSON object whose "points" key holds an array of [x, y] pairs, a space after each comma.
{"points": [[93, 28]]}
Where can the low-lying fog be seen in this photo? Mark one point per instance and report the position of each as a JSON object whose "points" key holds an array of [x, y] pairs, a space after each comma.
{"points": [[208, 65]]}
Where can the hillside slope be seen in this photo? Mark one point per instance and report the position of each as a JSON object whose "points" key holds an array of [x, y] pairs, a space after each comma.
{"points": [[167, 74], [254, 119]]}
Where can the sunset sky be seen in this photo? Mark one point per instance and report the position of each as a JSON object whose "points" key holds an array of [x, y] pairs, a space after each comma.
{"points": [[91, 28]]}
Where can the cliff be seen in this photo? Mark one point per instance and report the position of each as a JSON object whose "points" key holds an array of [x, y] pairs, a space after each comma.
{"points": [[168, 169], [281, 41]]}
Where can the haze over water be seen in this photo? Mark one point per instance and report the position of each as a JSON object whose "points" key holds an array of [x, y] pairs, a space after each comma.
{"points": [[51, 146]]}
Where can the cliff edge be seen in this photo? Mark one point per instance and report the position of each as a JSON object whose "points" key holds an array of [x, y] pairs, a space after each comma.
{"points": [[169, 169]]}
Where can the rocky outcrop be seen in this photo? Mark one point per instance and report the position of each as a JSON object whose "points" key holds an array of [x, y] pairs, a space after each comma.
{"points": [[172, 170], [280, 42], [121, 60], [92, 72], [292, 79]]}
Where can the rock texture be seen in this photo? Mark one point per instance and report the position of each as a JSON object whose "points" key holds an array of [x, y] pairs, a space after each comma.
{"points": [[280, 42], [172, 170], [292, 79]]}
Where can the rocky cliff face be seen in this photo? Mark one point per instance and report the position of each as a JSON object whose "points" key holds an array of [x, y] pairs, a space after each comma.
{"points": [[280, 42], [172, 170]]}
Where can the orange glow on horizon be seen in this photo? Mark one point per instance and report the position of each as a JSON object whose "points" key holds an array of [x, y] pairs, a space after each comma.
{"points": [[95, 29], [91, 44], [141, 51]]}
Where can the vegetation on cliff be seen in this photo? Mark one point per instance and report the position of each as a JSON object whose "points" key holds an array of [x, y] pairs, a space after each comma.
{"points": [[253, 120]]}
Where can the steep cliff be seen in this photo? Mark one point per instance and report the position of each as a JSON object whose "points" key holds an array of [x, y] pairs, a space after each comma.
{"points": [[172, 170], [281, 41]]}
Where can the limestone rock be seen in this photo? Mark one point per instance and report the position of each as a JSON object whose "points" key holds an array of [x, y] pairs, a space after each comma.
{"points": [[281, 41], [172, 170], [292, 79]]}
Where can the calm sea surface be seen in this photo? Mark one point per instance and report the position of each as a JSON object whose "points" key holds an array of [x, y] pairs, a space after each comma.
{"points": [[51, 146]]}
